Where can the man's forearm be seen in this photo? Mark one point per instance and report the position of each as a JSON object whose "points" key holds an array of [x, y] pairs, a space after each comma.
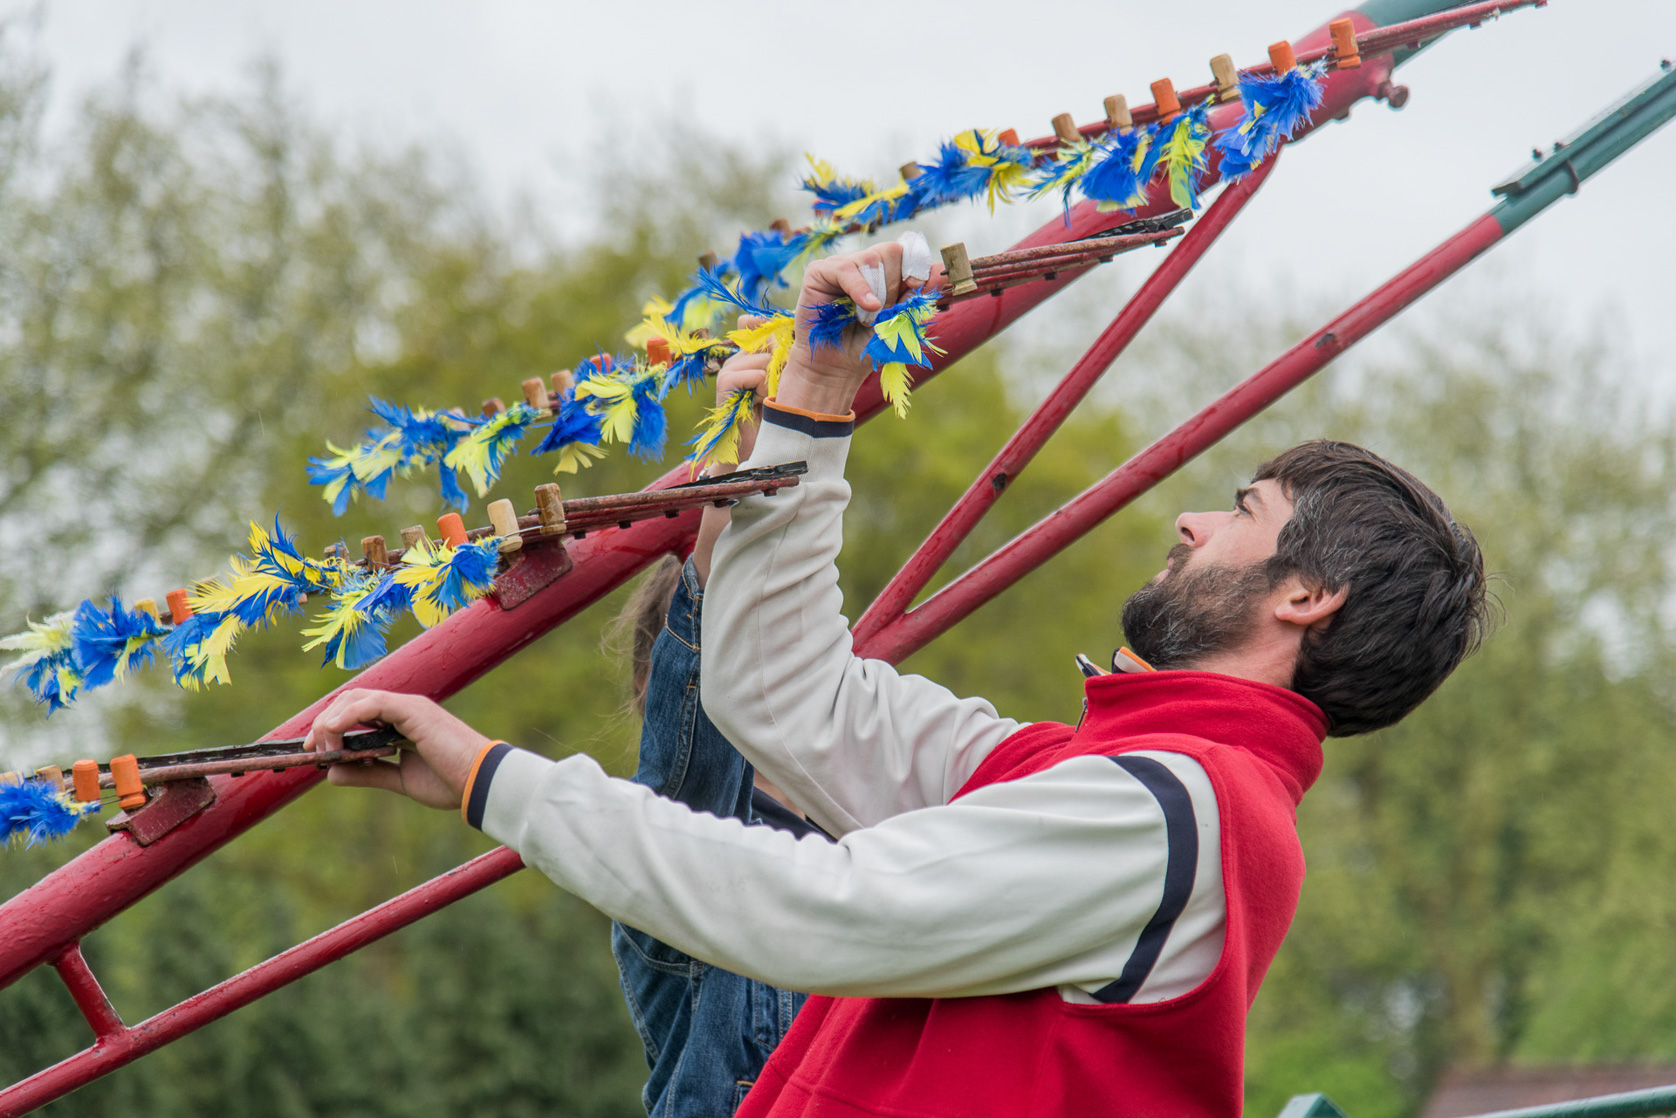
{"points": [[850, 740]]}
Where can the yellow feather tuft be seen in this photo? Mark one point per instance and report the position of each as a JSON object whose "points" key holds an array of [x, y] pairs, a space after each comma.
{"points": [[894, 381]]}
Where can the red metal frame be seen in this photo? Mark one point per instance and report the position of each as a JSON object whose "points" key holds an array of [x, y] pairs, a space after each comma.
{"points": [[45, 923]]}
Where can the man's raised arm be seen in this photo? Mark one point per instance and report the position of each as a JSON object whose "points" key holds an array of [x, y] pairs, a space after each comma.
{"points": [[851, 740]]}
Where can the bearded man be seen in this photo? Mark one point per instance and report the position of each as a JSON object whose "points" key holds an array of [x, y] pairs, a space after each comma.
{"points": [[1015, 919]]}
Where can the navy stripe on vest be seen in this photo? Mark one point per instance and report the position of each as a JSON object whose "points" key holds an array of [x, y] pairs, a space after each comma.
{"points": [[1181, 830]]}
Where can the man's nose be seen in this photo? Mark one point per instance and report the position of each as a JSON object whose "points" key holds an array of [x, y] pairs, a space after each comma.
{"points": [[1196, 528]]}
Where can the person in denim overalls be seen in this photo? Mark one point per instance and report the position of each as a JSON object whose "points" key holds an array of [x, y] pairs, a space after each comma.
{"points": [[707, 1031]]}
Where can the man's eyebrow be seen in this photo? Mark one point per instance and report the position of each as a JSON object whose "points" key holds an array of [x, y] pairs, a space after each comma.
{"points": [[1242, 496]]}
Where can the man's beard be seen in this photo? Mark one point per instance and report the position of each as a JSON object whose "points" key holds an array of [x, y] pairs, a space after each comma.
{"points": [[1193, 611]]}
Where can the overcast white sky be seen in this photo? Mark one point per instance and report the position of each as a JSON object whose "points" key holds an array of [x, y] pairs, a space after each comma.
{"points": [[519, 86]]}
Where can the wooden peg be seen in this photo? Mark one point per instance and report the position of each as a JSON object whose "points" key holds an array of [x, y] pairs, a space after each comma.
{"points": [[549, 505], [910, 171], [84, 775], [1065, 128], [709, 261], [657, 350], [452, 529], [504, 519], [1347, 55], [147, 605], [1227, 77], [1282, 58], [1117, 112], [179, 611], [52, 774], [125, 777], [959, 268], [563, 381], [781, 226], [494, 405], [11, 778], [1164, 96], [1009, 137], [414, 536], [374, 552], [535, 394]]}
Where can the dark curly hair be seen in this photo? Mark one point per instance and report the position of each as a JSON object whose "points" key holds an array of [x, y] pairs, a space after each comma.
{"points": [[1417, 604]]}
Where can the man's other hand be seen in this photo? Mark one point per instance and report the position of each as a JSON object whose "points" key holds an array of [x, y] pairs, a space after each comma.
{"points": [[434, 772], [825, 380]]}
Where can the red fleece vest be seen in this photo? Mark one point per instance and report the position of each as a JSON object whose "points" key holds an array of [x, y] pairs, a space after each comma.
{"points": [[1034, 1054]]}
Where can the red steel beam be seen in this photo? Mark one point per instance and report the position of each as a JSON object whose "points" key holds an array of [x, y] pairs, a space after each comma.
{"points": [[987, 488], [909, 632]]}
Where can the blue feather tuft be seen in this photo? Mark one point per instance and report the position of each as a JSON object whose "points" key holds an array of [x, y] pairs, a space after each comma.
{"points": [[574, 424], [831, 320], [470, 574], [762, 258], [950, 178], [38, 812], [1276, 106], [114, 643], [1118, 178], [182, 644], [717, 288]]}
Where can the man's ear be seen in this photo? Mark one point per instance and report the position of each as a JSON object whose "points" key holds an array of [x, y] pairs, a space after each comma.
{"points": [[1308, 606]]}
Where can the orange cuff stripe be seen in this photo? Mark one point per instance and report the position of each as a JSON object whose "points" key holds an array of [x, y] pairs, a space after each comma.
{"points": [[847, 417], [471, 780]]}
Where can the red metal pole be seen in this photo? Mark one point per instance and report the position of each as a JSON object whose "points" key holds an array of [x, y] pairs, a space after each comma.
{"points": [[987, 488], [1029, 550], [89, 996], [123, 1046]]}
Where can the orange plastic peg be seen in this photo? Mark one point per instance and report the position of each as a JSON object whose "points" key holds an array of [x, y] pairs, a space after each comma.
{"points": [[1347, 55], [452, 529], [178, 609], [125, 775], [1164, 94], [84, 775], [1281, 55], [657, 350], [1008, 137]]}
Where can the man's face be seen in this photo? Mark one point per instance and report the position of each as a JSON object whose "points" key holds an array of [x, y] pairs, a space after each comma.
{"points": [[1210, 595]]}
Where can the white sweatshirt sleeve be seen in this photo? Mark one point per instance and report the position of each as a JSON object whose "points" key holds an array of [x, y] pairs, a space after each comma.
{"points": [[1049, 880], [852, 741]]}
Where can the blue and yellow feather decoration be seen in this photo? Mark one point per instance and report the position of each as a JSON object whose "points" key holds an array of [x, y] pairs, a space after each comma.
{"points": [[484, 450], [1122, 167], [1274, 107], [37, 811], [47, 665], [1065, 171], [112, 643], [440, 579], [1183, 154]]}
